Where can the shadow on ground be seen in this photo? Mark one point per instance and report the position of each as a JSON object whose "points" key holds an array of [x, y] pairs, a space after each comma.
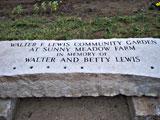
{"points": [[84, 108]]}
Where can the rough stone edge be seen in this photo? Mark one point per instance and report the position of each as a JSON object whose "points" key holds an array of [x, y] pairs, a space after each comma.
{"points": [[144, 108], [77, 85], [10, 106]]}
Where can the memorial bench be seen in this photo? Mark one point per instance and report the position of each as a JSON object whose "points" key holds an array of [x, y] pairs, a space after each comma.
{"points": [[76, 68]]}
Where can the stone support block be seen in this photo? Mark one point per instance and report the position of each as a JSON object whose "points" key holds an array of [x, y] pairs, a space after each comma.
{"points": [[144, 108], [7, 108]]}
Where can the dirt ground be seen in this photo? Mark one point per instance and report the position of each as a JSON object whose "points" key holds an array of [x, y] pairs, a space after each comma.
{"points": [[82, 8], [84, 108]]}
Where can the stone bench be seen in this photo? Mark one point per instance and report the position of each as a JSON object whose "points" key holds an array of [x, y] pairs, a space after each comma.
{"points": [[105, 67], [75, 68]]}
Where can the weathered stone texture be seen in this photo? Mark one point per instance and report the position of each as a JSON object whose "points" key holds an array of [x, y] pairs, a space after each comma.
{"points": [[144, 108], [7, 108], [77, 84]]}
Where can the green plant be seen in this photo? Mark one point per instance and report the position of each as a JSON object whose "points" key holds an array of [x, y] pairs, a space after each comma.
{"points": [[158, 18], [155, 4], [151, 7], [135, 28], [36, 8], [124, 19], [53, 5], [156, 35], [17, 10], [158, 5], [141, 17], [50, 5], [74, 27], [43, 5]]}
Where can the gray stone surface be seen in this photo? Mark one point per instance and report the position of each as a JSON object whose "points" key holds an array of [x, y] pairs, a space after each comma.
{"points": [[77, 84], [144, 108], [7, 108], [96, 67], [137, 56]]}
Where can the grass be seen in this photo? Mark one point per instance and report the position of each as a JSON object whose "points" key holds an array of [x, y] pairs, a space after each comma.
{"points": [[63, 28]]}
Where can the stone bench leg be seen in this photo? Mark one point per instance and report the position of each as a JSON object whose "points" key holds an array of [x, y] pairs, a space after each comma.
{"points": [[144, 108], [8, 108]]}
